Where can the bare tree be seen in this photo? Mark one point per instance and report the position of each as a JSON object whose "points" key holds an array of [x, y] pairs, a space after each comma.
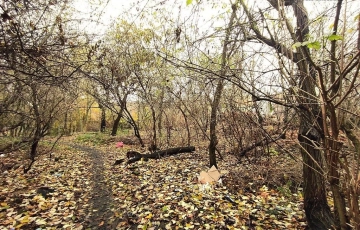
{"points": [[37, 64]]}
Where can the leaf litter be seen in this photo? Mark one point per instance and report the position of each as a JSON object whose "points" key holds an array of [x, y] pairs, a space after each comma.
{"points": [[83, 190]]}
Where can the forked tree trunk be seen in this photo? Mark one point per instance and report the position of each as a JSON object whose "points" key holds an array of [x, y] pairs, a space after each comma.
{"points": [[37, 135], [122, 104], [186, 125], [132, 122]]}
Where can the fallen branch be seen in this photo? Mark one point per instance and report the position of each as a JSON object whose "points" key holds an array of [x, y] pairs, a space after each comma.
{"points": [[262, 142], [134, 156]]}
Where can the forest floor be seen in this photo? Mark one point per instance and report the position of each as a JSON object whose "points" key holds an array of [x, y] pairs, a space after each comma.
{"points": [[78, 187]]}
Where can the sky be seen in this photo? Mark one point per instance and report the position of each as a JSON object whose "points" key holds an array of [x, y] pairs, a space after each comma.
{"points": [[99, 15], [110, 10]]}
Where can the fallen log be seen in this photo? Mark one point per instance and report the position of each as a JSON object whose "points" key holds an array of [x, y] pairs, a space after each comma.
{"points": [[134, 156], [262, 142]]}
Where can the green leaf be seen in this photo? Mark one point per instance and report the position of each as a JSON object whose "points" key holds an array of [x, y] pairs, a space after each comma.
{"points": [[188, 2], [334, 37], [314, 45], [311, 45], [357, 17], [297, 44]]}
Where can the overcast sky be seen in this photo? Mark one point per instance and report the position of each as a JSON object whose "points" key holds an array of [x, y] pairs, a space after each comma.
{"points": [[110, 10]]}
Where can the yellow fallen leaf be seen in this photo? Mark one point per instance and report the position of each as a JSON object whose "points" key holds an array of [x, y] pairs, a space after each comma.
{"points": [[40, 222], [18, 217], [25, 220], [149, 216]]}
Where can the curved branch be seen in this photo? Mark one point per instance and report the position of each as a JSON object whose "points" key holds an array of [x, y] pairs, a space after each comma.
{"points": [[280, 48]]}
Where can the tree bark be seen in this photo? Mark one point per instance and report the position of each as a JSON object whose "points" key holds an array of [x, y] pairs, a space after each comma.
{"points": [[116, 124], [103, 119], [186, 125], [316, 208], [317, 211], [213, 123], [354, 191], [136, 156], [161, 112], [132, 122], [66, 129], [153, 144], [219, 88]]}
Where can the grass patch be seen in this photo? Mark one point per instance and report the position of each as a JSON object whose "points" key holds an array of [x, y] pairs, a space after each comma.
{"points": [[92, 138]]}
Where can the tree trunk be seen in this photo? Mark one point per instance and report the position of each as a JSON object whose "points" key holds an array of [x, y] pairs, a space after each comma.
{"points": [[256, 107], [354, 191], [153, 144], [186, 125], [317, 211], [219, 88], [66, 129], [103, 119], [86, 115], [331, 142], [136, 156], [116, 124], [132, 122], [160, 112], [213, 123], [32, 155], [37, 135]]}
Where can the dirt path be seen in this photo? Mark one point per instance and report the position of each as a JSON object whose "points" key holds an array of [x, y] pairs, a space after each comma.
{"points": [[100, 215]]}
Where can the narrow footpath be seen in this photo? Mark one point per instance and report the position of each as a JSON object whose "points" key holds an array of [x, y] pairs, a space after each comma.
{"points": [[100, 215]]}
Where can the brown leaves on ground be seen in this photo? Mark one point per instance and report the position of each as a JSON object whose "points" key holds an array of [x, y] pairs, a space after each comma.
{"points": [[52, 194], [154, 194]]}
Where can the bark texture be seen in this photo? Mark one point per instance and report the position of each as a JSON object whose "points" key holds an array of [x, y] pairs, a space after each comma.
{"points": [[136, 156]]}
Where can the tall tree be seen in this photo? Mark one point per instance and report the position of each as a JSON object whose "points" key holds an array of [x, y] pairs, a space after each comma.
{"points": [[228, 49], [314, 109], [315, 203]]}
